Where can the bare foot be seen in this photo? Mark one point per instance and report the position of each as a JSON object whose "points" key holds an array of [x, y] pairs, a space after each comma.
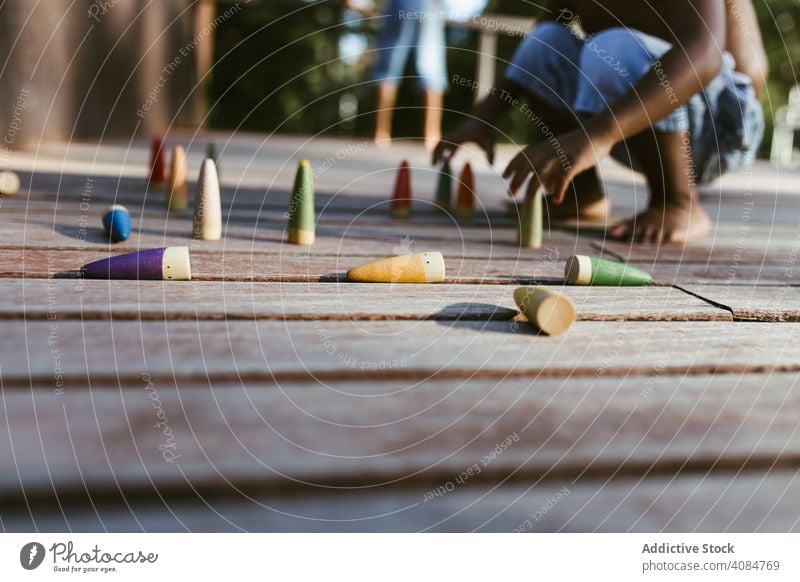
{"points": [[383, 141], [677, 224], [583, 207], [431, 141], [586, 202]]}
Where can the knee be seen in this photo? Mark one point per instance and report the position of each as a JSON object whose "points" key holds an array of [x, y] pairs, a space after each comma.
{"points": [[614, 58], [549, 47], [550, 39]]}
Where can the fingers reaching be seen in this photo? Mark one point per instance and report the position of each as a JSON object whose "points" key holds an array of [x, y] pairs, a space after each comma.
{"points": [[517, 171], [443, 149]]}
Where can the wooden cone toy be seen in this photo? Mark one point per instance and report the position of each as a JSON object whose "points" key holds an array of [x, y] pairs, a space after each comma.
{"points": [[444, 189], [207, 221], [585, 270], [530, 222], [302, 218], [414, 268], [401, 198], [170, 263], [158, 167], [9, 183], [550, 312], [117, 223], [465, 199], [212, 151], [177, 193]]}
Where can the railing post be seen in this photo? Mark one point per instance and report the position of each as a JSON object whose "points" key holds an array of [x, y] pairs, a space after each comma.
{"points": [[487, 55]]}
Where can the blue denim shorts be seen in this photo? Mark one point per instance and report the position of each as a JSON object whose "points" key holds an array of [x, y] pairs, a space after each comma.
{"points": [[413, 27], [725, 121]]}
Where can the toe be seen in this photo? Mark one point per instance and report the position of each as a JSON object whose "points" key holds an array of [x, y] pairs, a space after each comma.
{"points": [[620, 231]]}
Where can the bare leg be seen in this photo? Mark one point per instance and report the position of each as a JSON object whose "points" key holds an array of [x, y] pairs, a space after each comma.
{"points": [[674, 214], [433, 118], [387, 96]]}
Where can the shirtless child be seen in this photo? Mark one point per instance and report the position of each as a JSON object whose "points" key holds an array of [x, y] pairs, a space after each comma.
{"points": [[669, 87]]}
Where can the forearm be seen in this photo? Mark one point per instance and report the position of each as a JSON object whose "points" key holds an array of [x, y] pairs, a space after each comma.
{"points": [[497, 103], [670, 83], [660, 92]]}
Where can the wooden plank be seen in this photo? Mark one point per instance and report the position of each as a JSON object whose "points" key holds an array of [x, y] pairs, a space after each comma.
{"points": [[750, 502], [346, 434], [100, 299], [351, 186], [393, 238], [754, 303], [382, 349], [209, 265], [732, 245], [243, 211], [693, 274]]}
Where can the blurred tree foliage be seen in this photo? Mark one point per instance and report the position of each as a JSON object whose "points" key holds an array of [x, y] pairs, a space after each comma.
{"points": [[278, 69]]}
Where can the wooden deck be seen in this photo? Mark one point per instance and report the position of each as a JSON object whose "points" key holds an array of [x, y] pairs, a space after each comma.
{"points": [[267, 394]]}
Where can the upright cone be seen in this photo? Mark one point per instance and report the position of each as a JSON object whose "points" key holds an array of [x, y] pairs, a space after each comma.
{"points": [[465, 200], [548, 311], [158, 167], [9, 183], [530, 222], [207, 221], [444, 189], [177, 193], [171, 263], [117, 223], [415, 268], [585, 270], [401, 198], [302, 219], [212, 151]]}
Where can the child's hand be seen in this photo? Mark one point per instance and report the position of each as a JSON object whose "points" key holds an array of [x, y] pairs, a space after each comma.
{"points": [[554, 165], [474, 131]]}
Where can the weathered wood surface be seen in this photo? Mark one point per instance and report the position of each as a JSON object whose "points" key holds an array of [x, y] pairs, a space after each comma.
{"points": [[103, 350], [754, 303], [391, 239], [243, 208], [229, 265], [767, 244], [650, 424], [692, 274], [713, 502], [253, 436], [101, 299]]}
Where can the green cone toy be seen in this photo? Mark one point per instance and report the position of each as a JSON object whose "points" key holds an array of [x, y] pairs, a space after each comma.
{"points": [[584, 270], [301, 207], [444, 189], [213, 152]]}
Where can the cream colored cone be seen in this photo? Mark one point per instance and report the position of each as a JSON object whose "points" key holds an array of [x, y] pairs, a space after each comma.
{"points": [[175, 264], [550, 312], [178, 186], [415, 268], [9, 183], [208, 206]]}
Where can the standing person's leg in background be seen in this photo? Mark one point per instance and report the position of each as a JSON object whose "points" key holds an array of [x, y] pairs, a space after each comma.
{"points": [[396, 41], [431, 65]]}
